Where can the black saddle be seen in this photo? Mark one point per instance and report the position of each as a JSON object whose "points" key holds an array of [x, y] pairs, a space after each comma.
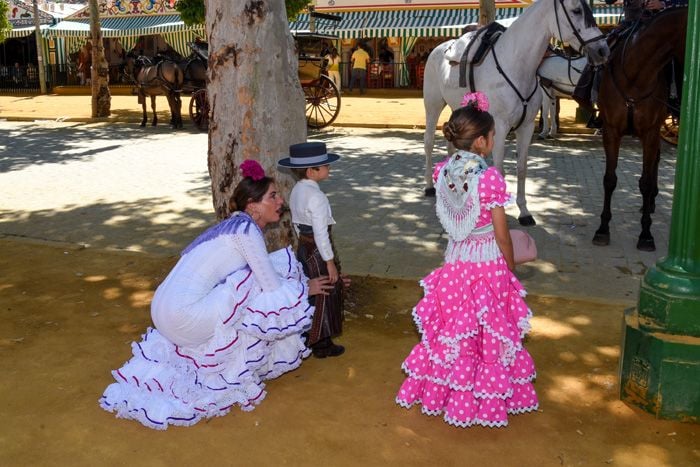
{"points": [[486, 38]]}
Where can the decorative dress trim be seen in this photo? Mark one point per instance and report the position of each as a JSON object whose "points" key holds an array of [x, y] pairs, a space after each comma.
{"points": [[239, 220], [479, 246], [457, 204]]}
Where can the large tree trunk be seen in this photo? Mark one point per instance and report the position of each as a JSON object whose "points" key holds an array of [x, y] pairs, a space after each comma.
{"points": [[99, 75], [487, 12], [256, 101]]}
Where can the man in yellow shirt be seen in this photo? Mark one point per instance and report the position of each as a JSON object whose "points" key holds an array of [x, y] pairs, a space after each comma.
{"points": [[359, 62]]}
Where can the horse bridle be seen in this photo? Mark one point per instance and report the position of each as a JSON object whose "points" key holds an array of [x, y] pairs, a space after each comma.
{"points": [[582, 42]]}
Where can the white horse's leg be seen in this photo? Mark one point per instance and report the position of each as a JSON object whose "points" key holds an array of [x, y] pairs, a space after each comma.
{"points": [[553, 115], [523, 136], [544, 110], [499, 143], [434, 103]]}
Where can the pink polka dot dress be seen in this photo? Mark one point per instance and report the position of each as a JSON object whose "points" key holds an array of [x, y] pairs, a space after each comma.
{"points": [[470, 365]]}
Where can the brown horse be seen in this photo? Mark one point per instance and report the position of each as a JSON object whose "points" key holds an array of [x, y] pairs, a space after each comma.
{"points": [[633, 98], [157, 79]]}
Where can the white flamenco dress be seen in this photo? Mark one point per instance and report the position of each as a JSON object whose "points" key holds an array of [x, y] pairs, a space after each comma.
{"points": [[228, 316]]}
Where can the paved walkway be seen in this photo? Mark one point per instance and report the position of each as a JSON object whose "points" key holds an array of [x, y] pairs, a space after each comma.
{"points": [[120, 186]]}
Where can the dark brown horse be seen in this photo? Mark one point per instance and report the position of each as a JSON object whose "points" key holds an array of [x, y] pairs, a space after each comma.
{"points": [[157, 79], [633, 98]]}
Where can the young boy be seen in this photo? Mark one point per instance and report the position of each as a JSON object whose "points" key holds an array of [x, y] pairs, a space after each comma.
{"points": [[312, 220]]}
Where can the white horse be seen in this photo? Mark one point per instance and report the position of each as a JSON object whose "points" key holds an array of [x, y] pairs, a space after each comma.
{"points": [[512, 92], [559, 76]]}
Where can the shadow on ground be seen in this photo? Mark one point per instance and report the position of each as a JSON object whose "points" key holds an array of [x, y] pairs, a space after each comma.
{"points": [[70, 314]]}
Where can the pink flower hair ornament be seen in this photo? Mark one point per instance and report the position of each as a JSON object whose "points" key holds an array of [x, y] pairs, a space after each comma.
{"points": [[476, 99], [252, 168]]}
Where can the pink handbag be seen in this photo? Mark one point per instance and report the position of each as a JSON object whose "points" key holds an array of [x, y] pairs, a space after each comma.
{"points": [[524, 247]]}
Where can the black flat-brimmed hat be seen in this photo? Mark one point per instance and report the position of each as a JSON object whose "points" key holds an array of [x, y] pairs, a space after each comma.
{"points": [[311, 154]]}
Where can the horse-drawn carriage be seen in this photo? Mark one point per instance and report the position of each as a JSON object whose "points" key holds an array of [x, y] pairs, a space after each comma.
{"points": [[321, 94], [199, 105]]}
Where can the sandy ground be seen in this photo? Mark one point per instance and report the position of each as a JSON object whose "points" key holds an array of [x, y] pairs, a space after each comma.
{"points": [[376, 109], [69, 315]]}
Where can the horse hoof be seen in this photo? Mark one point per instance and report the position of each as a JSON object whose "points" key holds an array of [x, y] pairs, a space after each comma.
{"points": [[527, 221], [143, 125], [646, 244], [430, 192], [601, 239], [541, 137]]}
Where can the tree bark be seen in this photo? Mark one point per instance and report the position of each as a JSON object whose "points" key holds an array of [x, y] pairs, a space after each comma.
{"points": [[256, 101], [99, 74], [487, 12]]}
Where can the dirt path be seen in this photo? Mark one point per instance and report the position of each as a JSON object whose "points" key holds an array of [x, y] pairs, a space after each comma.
{"points": [[69, 316]]}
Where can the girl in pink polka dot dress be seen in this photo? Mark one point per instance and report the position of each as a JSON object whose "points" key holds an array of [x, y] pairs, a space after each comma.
{"points": [[470, 364]]}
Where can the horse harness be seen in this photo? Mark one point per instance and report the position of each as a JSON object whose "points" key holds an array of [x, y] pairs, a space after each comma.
{"points": [[487, 38], [492, 33], [630, 102], [159, 79]]}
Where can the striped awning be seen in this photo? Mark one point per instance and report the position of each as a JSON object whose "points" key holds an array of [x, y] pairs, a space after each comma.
{"points": [[350, 27], [428, 23], [124, 27], [608, 14], [420, 23], [21, 32]]}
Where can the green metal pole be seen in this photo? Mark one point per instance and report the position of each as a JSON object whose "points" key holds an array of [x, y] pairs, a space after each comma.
{"points": [[660, 367]]}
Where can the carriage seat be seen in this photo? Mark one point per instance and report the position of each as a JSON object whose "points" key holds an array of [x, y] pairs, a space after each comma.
{"points": [[486, 37]]}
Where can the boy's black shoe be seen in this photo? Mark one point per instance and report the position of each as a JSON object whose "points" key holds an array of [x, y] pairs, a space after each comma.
{"points": [[327, 349]]}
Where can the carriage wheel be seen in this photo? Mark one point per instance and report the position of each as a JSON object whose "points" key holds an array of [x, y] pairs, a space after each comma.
{"points": [[322, 102], [669, 130], [199, 109]]}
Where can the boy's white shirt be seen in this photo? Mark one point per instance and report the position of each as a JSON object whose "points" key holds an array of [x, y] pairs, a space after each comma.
{"points": [[310, 206]]}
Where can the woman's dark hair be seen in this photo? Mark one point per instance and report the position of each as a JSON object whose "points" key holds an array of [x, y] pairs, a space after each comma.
{"points": [[465, 125], [247, 191]]}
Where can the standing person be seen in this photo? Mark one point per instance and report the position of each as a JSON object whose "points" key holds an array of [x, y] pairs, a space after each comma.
{"points": [[471, 364], [333, 67], [312, 219], [227, 317], [359, 63]]}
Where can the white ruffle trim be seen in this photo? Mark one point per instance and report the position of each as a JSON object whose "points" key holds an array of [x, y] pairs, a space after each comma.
{"points": [[508, 202], [475, 249], [468, 423], [165, 384]]}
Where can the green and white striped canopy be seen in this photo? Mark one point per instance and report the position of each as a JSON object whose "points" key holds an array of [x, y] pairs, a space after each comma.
{"points": [[124, 27], [419, 23], [21, 32]]}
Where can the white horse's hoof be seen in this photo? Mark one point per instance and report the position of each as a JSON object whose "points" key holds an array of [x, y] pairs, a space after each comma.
{"points": [[430, 192]]}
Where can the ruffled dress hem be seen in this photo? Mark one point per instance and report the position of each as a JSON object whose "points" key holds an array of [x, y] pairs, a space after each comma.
{"points": [[261, 338]]}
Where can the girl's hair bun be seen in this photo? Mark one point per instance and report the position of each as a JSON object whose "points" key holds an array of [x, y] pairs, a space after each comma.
{"points": [[449, 130]]}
